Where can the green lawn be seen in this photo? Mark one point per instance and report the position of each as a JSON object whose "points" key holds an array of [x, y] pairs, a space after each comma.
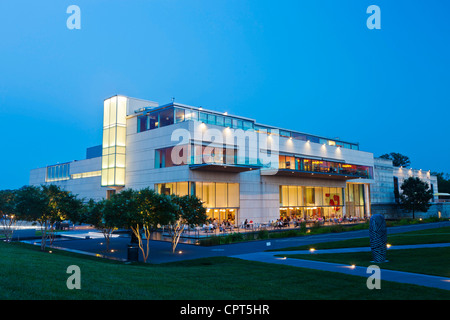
{"points": [[432, 261], [27, 273], [437, 235]]}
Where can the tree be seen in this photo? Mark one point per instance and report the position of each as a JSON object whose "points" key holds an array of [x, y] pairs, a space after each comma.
{"points": [[47, 205], [415, 196], [32, 205], [62, 205], [190, 212], [8, 217], [398, 160], [443, 181], [153, 210], [95, 215]]}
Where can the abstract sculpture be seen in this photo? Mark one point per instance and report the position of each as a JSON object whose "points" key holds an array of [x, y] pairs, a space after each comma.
{"points": [[378, 237]]}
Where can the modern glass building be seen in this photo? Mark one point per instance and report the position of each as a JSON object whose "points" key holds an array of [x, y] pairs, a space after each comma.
{"points": [[239, 168]]}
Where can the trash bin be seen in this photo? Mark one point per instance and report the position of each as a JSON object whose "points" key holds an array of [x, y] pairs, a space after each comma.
{"points": [[133, 253]]}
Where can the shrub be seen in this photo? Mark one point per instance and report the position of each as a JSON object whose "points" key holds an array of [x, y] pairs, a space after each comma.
{"points": [[263, 234]]}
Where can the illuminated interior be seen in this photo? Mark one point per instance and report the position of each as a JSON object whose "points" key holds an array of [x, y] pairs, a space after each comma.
{"points": [[114, 141], [311, 203], [221, 200]]}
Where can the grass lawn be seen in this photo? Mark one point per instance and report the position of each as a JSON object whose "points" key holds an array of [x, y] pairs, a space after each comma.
{"points": [[437, 235], [27, 273], [431, 261]]}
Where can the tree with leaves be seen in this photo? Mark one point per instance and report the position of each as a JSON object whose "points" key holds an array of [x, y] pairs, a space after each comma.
{"points": [[190, 212], [8, 216], [32, 205], [398, 160], [443, 180], [415, 196], [153, 211], [47, 205], [95, 216]]}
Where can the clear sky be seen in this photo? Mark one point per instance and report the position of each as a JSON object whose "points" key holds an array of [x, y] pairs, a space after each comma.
{"points": [[311, 66]]}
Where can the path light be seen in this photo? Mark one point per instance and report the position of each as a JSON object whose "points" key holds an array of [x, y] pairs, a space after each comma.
{"points": [[312, 250], [180, 252], [388, 246], [352, 266]]}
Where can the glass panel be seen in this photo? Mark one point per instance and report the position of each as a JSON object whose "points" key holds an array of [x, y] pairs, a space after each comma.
{"points": [[142, 123], [221, 195], [228, 122], [106, 113], [120, 176], [293, 196], [182, 189], [166, 117], [203, 117], [248, 125], [209, 194], [179, 115], [121, 136], [153, 121], [199, 190], [298, 136], [310, 197], [300, 196], [211, 119], [233, 195], [220, 121]]}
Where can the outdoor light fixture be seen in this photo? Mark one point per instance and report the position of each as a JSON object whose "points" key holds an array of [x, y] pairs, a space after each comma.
{"points": [[388, 246], [312, 250]]}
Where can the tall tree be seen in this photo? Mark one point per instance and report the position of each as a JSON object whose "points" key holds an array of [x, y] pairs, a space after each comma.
{"points": [[398, 160], [415, 196]]}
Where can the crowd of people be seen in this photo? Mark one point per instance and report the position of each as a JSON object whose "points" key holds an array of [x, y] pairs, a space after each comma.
{"points": [[213, 225]]}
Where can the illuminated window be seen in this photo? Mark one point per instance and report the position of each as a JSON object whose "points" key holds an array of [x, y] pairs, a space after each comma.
{"points": [[114, 141]]}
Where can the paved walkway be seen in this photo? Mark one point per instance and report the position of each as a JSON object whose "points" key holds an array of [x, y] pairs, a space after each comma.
{"points": [[388, 275]]}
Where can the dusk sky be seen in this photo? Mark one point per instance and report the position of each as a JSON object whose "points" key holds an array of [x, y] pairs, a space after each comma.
{"points": [[311, 66]]}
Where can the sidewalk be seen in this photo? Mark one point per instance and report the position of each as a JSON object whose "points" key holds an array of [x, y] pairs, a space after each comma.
{"points": [[388, 275]]}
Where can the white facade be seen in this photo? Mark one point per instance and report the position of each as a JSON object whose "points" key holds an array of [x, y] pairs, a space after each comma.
{"points": [[307, 176]]}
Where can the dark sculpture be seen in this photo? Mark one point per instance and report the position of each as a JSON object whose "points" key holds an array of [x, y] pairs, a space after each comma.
{"points": [[378, 237]]}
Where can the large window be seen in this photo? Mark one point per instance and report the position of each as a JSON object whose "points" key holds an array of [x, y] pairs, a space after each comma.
{"points": [[58, 172], [172, 156], [321, 166], [220, 199], [303, 202], [355, 205]]}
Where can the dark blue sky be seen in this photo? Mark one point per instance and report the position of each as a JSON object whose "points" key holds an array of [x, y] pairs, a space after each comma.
{"points": [[311, 66]]}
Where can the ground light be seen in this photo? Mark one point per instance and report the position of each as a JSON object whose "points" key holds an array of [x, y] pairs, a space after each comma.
{"points": [[312, 250]]}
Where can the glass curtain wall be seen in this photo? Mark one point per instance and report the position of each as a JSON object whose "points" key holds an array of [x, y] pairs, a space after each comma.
{"points": [[355, 205], [114, 141], [310, 165], [221, 200], [311, 203]]}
